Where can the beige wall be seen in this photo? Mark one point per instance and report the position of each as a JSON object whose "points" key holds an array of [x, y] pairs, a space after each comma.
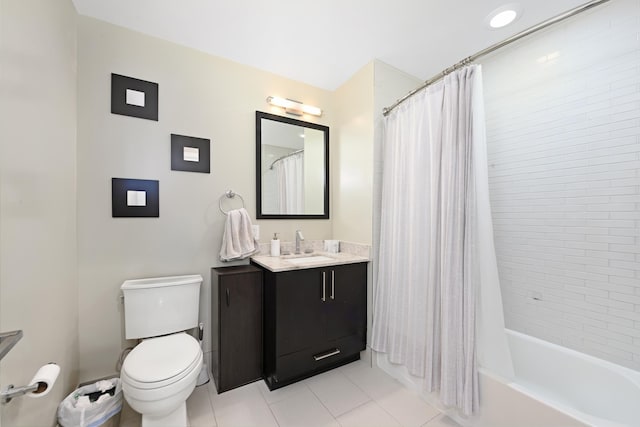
{"points": [[38, 266], [200, 95], [352, 157]]}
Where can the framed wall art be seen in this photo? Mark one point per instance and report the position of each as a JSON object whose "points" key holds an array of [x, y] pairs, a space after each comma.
{"points": [[131, 198], [134, 97], [190, 154]]}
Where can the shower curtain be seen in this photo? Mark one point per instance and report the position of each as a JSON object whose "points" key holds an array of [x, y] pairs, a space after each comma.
{"points": [[436, 262], [290, 181]]}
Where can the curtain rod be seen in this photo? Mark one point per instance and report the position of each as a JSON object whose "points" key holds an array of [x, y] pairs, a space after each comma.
{"points": [[293, 153], [468, 60]]}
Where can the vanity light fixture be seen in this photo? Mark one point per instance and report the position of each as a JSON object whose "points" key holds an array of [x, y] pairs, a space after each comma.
{"points": [[503, 16], [291, 106]]}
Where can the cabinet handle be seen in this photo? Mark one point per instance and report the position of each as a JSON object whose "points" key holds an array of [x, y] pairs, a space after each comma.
{"points": [[333, 284], [324, 356], [324, 286], [227, 297]]}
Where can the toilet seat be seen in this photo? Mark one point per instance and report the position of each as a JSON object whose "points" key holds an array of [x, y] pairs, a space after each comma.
{"points": [[159, 362]]}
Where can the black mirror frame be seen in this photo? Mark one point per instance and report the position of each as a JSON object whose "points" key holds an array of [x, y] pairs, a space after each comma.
{"points": [[266, 116]]}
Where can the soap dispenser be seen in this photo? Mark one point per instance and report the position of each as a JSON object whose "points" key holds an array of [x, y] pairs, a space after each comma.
{"points": [[275, 245]]}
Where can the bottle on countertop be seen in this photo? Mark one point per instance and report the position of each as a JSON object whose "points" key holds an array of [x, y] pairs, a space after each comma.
{"points": [[275, 245]]}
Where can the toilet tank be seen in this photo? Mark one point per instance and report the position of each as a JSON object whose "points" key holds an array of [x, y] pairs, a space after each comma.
{"points": [[161, 305]]}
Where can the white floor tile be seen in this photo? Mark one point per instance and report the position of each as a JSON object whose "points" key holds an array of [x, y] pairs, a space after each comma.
{"points": [[354, 395], [373, 381], [302, 410], [370, 415], [336, 392], [407, 407], [199, 408], [442, 421], [280, 393], [243, 406]]}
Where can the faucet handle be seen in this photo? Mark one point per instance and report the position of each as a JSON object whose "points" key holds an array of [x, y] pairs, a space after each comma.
{"points": [[299, 234]]}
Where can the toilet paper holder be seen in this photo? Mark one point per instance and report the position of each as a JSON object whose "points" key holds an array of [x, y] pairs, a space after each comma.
{"points": [[10, 392], [39, 386], [41, 383]]}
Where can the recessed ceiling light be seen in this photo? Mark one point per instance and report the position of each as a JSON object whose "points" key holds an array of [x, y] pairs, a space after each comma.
{"points": [[503, 16]]}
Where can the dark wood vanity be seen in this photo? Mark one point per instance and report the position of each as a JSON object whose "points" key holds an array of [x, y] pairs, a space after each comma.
{"points": [[288, 325], [314, 320]]}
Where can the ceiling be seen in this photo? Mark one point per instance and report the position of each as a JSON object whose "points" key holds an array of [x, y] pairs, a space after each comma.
{"points": [[324, 42]]}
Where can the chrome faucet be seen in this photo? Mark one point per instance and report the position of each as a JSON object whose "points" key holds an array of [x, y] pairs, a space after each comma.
{"points": [[299, 238]]}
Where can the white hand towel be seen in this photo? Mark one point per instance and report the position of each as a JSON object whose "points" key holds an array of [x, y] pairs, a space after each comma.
{"points": [[237, 240]]}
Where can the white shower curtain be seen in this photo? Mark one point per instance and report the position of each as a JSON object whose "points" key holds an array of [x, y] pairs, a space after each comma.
{"points": [[290, 180], [434, 254]]}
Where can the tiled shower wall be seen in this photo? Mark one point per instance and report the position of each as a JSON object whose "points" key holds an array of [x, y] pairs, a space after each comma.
{"points": [[563, 128]]}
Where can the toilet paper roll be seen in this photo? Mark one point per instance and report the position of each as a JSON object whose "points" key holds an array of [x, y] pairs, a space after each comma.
{"points": [[45, 378]]}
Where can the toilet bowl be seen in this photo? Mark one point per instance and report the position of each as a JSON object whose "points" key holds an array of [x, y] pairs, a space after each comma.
{"points": [[158, 375]]}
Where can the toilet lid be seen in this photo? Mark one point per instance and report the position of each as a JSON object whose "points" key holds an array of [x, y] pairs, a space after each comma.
{"points": [[159, 359]]}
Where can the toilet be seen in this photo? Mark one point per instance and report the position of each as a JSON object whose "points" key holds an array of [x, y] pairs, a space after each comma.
{"points": [[160, 373]]}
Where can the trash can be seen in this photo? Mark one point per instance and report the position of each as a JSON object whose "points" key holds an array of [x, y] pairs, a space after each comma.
{"points": [[92, 404]]}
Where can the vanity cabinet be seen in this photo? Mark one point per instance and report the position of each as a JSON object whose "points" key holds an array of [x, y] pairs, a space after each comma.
{"points": [[236, 326], [314, 320]]}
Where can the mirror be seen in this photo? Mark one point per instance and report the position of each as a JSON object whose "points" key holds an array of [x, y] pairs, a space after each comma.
{"points": [[292, 168]]}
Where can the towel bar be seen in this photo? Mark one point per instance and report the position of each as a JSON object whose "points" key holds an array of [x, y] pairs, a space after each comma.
{"points": [[229, 194]]}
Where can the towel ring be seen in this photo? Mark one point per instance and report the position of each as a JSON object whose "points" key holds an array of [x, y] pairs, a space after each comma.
{"points": [[229, 194]]}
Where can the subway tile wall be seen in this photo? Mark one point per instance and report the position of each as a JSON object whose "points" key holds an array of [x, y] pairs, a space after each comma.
{"points": [[563, 131]]}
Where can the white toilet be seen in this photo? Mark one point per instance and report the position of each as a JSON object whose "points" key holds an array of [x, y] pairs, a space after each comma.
{"points": [[160, 373]]}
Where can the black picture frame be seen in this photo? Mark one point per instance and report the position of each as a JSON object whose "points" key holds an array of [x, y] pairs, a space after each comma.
{"points": [[143, 202], [183, 161], [134, 97], [261, 119]]}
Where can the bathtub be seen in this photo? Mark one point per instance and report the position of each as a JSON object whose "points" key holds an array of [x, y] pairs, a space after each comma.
{"points": [[591, 390], [553, 387]]}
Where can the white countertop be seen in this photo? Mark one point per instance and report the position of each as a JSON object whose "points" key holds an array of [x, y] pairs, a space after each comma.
{"points": [[282, 263]]}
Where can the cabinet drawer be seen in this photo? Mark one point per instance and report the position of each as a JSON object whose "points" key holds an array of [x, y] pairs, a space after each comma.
{"points": [[309, 362]]}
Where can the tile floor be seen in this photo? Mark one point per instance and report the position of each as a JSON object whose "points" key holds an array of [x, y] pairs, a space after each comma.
{"points": [[353, 395]]}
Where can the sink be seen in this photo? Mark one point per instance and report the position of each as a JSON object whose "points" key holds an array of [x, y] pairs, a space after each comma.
{"points": [[309, 260]]}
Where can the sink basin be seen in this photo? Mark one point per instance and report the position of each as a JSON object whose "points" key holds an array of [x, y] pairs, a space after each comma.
{"points": [[309, 260]]}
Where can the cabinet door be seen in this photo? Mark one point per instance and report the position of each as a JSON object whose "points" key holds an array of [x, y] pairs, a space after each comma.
{"points": [[299, 308], [345, 311], [240, 298]]}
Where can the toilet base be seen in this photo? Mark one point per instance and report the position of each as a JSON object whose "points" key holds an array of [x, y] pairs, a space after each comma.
{"points": [[177, 418]]}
